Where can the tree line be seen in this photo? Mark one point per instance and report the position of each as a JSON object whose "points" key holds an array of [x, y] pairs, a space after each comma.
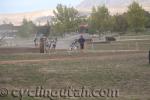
{"points": [[68, 19]]}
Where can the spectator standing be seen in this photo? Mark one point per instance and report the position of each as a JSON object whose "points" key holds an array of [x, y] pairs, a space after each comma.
{"points": [[81, 42]]}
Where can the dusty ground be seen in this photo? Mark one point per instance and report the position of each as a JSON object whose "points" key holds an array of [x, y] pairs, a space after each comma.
{"points": [[127, 71], [70, 56], [12, 50]]}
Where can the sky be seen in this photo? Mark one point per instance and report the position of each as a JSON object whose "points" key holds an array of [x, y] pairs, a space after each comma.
{"points": [[18, 6]]}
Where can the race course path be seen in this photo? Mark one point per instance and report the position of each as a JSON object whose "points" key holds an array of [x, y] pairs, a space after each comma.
{"points": [[102, 57]]}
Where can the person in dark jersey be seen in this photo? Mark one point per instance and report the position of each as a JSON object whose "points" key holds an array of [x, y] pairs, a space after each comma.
{"points": [[81, 42]]}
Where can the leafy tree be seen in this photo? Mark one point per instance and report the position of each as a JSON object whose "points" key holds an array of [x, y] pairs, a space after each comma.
{"points": [[136, 17], [66, 19], [93, 21], [47, 29], [100, 20], [57, 29], [26, 29], [120, 23], [147, 14]]}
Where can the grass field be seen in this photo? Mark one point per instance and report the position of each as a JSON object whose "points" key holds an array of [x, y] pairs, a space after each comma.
{"points": [[127, 71], [100, 67], [122, 45]]}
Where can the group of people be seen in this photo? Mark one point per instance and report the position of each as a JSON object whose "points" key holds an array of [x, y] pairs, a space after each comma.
{"points": [[51, 44], [48, 44], [74, 45]]}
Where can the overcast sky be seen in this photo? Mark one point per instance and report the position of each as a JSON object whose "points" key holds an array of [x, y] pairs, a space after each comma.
{"points": [[17, 6]]}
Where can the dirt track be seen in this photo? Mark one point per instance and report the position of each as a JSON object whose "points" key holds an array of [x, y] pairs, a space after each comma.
{"points": [[18, 50], [125, 55]]}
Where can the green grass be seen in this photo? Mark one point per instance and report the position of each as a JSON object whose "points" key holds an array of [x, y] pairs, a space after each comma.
{"points": [[130, 74], [36, 56], [131, 33], [122, 45]]}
